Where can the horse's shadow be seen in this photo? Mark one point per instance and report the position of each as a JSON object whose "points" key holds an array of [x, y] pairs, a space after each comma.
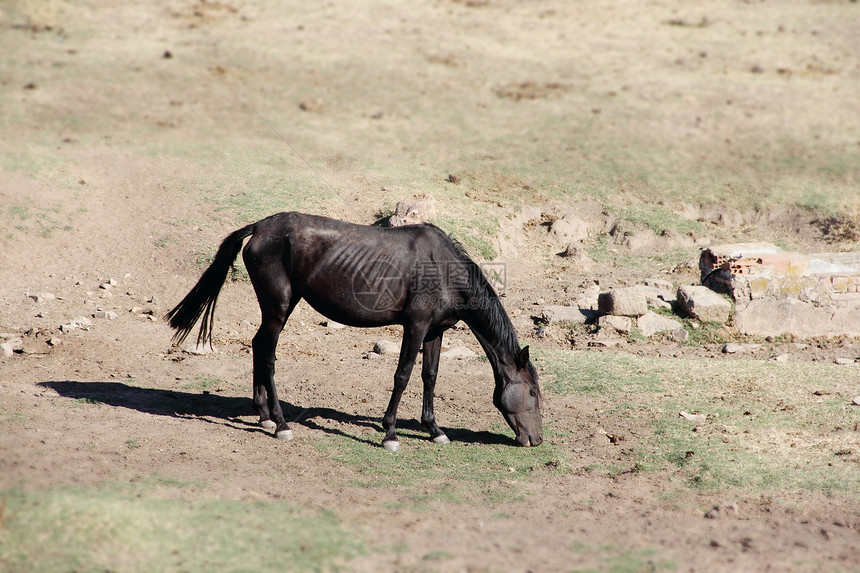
{"points": [[229, 410]]}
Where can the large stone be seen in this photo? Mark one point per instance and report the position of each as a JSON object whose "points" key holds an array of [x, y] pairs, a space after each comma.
{"points": [[652, 323], [773, 317], [628, 301], [704, 304], [560, 313]]}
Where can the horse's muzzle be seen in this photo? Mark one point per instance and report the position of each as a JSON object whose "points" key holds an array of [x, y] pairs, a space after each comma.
{"points": [[526, 440]]}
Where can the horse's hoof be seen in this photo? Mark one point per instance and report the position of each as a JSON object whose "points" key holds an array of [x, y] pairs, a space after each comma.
{"points": [[391, 445], [268, 425], [284, 435], [441, 439]]}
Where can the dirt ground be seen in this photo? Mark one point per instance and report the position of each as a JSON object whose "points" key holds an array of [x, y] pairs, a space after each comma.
{"points": [[109, 232]]}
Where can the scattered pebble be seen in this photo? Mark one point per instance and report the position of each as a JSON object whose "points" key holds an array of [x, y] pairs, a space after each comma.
{"points": [[42, 297], [730, 508], [6, 350], [844, 361], [697, 418], [82, 322]]}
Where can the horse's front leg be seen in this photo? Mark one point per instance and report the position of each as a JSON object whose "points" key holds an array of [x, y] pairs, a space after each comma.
{"points": [[412, 336], [429, 369]]}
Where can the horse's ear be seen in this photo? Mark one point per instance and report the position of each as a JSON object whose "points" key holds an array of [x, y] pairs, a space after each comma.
{"points": [[523, 358]]}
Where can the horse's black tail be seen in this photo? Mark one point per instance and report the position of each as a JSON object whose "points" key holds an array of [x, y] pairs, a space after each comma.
{"points": [[202, 298]]}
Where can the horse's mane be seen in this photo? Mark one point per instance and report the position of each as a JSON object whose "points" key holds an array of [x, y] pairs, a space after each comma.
{"points": [[483, 302]]}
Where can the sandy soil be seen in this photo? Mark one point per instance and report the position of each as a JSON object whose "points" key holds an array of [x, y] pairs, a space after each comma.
{"points": [[72, 399]]}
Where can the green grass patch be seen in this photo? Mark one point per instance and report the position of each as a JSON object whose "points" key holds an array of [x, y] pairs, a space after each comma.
{"points": [[472, 232], [459, 472], [204, 383], [81, 530], [29, 218], [614, 559], [769, 426]]}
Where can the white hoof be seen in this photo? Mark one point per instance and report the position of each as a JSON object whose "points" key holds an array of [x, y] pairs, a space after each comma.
{"points": [[443, 439], [284, 435], [267, 424], [391, 445]]}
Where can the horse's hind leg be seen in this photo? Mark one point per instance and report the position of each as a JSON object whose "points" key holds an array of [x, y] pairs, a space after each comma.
{"points": [[265, 395], [277, 300]]}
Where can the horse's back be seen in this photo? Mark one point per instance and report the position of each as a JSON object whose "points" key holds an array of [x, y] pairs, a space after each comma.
{"points": [[356, 274]]}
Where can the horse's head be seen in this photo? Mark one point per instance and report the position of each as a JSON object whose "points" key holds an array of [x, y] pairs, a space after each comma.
{"points": [[518, 399]]}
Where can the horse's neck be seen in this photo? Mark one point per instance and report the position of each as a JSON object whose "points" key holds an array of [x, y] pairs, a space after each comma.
{"points": [[495, 334]]}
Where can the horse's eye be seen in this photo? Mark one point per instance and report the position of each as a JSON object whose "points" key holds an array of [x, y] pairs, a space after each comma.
{"points": [[533, 393]]}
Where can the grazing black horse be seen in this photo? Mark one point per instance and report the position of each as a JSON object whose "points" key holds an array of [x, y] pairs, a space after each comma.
{"points": [[415, 276]]}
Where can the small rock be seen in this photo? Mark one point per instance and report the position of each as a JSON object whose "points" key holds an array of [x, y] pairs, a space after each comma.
{"points": [[734, 347], [458, 352], [680, 335], [105, 314], [42, 297], [781, 358], [856, 400], [697, 418], [6, 350], [198, 349], [843, 361], [621, 324], [386, 347], [730, 508], [419, 209], [55, 341], [333, 325], [312, 105], [652, 323], [82, 322]]}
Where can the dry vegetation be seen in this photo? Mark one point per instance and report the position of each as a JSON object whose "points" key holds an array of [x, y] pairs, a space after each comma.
{"points": [[134, 136]]}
